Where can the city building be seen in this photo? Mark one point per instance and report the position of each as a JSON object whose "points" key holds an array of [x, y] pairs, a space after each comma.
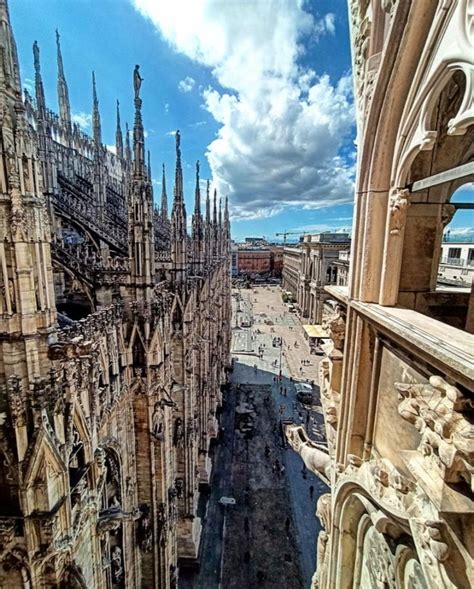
{"points": [[311, 265], [114, 345], [456, 267], [397, 386], [264, 261], [254, 261]]}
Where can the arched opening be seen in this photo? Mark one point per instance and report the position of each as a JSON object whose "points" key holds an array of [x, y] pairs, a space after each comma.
{"points": [[439, 201]]}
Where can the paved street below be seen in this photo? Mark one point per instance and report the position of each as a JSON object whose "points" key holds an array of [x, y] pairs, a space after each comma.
{"points": [[268, 537]]}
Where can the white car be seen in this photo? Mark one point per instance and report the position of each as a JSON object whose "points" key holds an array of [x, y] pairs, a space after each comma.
{"points": [[227, 501]]}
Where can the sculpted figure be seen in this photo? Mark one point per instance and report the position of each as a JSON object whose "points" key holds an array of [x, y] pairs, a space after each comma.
{"points": [[178, 432], [315, 458], [157, 422], [137, 81], [117, 568]]}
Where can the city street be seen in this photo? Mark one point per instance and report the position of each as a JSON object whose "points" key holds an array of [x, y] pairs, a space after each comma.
{"points": [[268, 537]]}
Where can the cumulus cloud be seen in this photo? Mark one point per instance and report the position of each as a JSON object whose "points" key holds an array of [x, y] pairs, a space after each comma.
{"points": [[461, 231], [325, 26], [83, 119], [187, 84], [282, 125]]}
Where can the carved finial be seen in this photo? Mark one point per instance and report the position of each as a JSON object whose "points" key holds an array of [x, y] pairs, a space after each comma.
{"points": [[208, 202], [128, 151], [164, 196], [197, 201], [96, 127], [118, 134], [39, 90]]}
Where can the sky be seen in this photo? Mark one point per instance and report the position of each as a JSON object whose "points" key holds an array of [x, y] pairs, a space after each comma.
{"points": [[261, 92]]}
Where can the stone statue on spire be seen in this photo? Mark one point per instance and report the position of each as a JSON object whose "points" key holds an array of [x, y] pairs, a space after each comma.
{"points": [[137, 81], [178, 142], [36, 56]]}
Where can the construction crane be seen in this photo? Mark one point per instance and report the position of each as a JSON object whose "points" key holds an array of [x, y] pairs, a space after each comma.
{"points": [[285, 233]]}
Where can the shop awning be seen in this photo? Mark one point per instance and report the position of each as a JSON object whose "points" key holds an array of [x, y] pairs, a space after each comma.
{"points": [[315, 331]]}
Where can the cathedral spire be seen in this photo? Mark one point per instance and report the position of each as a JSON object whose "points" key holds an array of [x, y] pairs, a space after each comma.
{"points": [[39, 89], [138, 132], [96, 115], [118, 135], [178, 220], [214, 212], [128, 151], [226, 217], [149, 166], [63, 93], [9, 67], [208, 203], [164, 197], [197, 198], [178, 180]]}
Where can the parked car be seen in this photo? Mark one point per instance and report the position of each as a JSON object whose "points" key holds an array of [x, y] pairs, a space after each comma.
{"points": [[304, 393]]}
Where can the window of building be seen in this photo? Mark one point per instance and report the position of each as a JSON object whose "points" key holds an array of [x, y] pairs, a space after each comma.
{"points": [[454, 253], [470, 257]]}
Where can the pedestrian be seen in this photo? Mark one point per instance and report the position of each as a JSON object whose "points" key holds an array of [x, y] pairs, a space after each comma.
{"points": [[282, 470], [287, 524], [267, 450], [311, 492]]}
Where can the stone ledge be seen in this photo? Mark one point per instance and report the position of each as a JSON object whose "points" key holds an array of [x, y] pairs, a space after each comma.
{"points": [[436, 341]]}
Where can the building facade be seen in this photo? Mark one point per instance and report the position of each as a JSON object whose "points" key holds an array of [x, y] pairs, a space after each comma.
{"points": [[261, 261], [397, 386], [311, 265], [114, 342], [456, 266]]}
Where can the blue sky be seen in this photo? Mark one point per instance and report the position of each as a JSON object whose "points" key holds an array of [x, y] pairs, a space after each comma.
{"points": [[261, 92]]}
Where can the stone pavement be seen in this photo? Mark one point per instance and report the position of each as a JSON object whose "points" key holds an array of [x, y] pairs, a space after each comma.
{"points": [[260, 548], [268, 539]]}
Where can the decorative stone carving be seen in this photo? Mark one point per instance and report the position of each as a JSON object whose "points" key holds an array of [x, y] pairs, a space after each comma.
{"points": [[178, 438], [337, 329], [437, 410], [314, 456], [117, 564], [447, 213], [399, 203], [145, 533], [379, 561], [432, 540], [157, 422]]}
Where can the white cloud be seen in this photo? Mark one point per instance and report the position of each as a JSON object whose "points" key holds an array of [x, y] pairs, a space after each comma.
{"points": [[187, 84], [282, 125], [171, 133], [29, 85], [83, 119], [324, 26], [167, 107], [112, 148], [461, 231]]}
